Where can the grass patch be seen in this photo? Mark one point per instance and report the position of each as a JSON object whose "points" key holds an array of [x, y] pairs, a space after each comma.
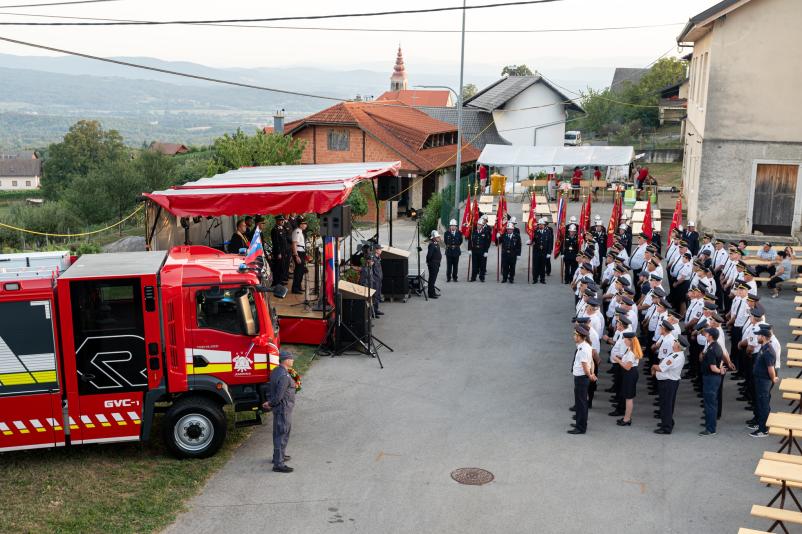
{"points": [[108, 488], [667, 174]]}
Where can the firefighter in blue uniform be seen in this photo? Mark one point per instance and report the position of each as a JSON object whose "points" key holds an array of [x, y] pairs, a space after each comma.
{"points": [[510, 243], [453, 242], [542, 245], [478, 247], [569, 250], [281, 401]]}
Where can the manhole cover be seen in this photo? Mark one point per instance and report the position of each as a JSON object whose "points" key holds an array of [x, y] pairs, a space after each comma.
{"points": [[472, 476]]}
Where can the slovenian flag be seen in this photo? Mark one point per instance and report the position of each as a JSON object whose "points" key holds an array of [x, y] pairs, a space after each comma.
{"points": [[332, 274], [255, 249]]}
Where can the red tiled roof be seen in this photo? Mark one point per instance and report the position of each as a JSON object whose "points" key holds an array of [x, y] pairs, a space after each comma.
{"points": [[414, 97], [169, 149], [398, 126]]}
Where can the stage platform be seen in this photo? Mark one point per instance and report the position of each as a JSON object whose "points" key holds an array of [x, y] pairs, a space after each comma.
{"points": [[299, 323]]}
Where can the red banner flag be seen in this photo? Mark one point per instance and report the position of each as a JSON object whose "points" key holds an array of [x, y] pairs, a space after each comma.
{"points": [[531, 224], [581, 227], [615, 219], [647, 220], [558, 241], [676, 220], [467, 222], [498, 228]]}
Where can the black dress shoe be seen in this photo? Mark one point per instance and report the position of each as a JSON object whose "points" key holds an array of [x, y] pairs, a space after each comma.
{"points": [[575, 431], [455, 280], [572, 408], [504, 281], [573, 417], [621, 422], [379, 313], [662, 431], [283, 469], [434, 296], [512, 282]]}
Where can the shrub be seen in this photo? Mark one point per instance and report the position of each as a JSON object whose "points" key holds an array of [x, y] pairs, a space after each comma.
{"points": [[431, 214]]}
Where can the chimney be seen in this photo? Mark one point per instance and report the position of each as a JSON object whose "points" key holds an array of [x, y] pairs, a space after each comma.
{"points": [[278, 122]]}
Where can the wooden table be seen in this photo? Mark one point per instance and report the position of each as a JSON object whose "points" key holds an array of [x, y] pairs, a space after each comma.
{"points": [[790, 422], [794, 354], [792, 385], [784, 472]]}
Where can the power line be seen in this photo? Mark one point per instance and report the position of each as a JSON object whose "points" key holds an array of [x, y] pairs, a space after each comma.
{"points": [[58, 3], [277, 19], [373, 30], [167, 71]]}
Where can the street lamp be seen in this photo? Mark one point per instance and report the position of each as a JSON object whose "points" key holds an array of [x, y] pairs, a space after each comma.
{"points": [[459, 111]]}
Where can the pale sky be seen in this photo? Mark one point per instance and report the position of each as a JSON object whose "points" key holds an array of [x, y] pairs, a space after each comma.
{"points": [[247, 47]]}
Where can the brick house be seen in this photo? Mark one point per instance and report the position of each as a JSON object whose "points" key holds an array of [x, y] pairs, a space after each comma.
{"points": [[351, 132]]}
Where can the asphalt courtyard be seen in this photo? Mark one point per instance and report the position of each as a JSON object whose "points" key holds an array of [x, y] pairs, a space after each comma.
{"points": [[481, 378]]}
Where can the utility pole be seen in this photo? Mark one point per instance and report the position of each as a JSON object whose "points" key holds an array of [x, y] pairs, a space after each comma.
{"points": [[459, 116]]}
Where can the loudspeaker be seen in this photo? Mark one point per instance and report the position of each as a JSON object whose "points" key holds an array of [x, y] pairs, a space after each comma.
{"points": [[388, 187], [355, 316], [336, 222]]}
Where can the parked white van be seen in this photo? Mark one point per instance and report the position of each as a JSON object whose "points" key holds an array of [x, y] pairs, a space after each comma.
{"points": [[573, 138]]}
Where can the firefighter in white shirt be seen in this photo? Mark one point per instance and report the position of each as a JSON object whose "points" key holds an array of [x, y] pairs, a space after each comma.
{"points": [[582, 371], [593, 313], [618, 349], [707, 245], [682, 280], [737, 317], [668, 374], [595, 345]]}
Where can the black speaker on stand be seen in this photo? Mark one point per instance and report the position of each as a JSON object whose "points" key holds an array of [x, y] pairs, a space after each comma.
{"points": [[336, 222]]}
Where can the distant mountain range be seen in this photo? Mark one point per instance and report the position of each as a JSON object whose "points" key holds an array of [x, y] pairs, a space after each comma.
{"points": [[40, 97]]}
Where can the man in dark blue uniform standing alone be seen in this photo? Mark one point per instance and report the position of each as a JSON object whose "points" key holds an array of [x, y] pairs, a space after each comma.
{"points": [[281, 401]]}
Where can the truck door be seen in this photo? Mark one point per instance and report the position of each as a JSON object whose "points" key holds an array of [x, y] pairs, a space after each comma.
{"points": [[224, 336], [108, 333], [30, 397]]}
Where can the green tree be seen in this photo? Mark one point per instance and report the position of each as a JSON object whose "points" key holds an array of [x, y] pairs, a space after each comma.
{"points": [[468, 91], [357, 200], [516, 70], [156, 170], [241, 150], [85, 147], [117, 184]]}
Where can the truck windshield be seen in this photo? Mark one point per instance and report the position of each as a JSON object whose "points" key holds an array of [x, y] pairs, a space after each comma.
{"points": [[570, 136], [219, 309]]}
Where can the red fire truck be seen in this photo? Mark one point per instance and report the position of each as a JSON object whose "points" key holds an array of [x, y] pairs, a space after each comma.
{"points": [[91, 350]]}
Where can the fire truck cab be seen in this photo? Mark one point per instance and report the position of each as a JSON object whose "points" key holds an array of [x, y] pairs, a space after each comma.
{"points": [[90, 351]]}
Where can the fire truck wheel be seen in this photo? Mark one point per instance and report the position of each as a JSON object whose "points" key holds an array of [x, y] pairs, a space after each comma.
{"points": [[194, 427]]}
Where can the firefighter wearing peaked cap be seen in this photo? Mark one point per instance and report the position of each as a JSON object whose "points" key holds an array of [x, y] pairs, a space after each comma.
{"points": [[542, 246], [510, 250], [453, 242]]}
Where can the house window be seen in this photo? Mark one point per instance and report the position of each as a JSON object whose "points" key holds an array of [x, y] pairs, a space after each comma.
{"points": [[13, 183], [338, 140], [27, 183]]}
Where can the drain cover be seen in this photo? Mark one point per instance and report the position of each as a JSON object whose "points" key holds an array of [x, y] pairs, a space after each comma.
{"points": [[472, 476]]}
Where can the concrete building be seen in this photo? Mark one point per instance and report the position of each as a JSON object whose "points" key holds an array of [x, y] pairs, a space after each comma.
{"points": [[526, 110], [742, 169], [19, 174]]}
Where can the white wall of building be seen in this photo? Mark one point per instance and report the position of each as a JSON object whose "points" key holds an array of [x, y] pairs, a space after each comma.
{"points": [[542, 126], [18, 183]]}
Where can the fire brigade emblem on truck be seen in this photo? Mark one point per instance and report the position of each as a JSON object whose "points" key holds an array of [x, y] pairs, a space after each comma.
{"points": [[111, 363], [242, 364]]}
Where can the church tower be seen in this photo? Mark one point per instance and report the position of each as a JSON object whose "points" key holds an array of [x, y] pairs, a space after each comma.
{"points": [[398, 81]]}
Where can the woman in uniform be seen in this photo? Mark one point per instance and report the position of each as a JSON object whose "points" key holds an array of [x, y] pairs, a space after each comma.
{"points": [[629, 370]]}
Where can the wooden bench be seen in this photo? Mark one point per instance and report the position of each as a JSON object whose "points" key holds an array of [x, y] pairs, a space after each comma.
{"points": [[792, 345], [778, 515], [796, 323], [751, 531]]}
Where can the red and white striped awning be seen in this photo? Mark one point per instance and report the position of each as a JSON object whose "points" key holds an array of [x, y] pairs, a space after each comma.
{"points": [[270, 190]]}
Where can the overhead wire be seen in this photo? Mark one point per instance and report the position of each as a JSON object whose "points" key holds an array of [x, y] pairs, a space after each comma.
{"points": [[58, 3], [374, 30], [81, 234], [295, 17]]}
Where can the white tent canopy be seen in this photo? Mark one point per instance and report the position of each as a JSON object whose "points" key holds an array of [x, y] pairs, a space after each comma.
{"points": [[555, 156]]}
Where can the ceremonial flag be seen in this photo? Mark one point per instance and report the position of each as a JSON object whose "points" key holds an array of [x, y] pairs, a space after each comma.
{"points": [[587, 216], [467, 220], [647, 220], [676, 220], [475, 210], [531, 223], [255, 248], [331, 251], [560, 225], [580, 233], [615, 218], [498, 228]]}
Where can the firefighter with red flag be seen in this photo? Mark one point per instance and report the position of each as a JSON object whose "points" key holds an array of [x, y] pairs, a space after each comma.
{"points": [[453, 242], [542, 246]]}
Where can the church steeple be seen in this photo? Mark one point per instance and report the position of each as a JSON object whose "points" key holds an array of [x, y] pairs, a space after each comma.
{"points": [[398, 81]]}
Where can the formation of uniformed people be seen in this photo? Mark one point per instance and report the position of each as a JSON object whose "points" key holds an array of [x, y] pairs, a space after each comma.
{"points": [[694, 315]]}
